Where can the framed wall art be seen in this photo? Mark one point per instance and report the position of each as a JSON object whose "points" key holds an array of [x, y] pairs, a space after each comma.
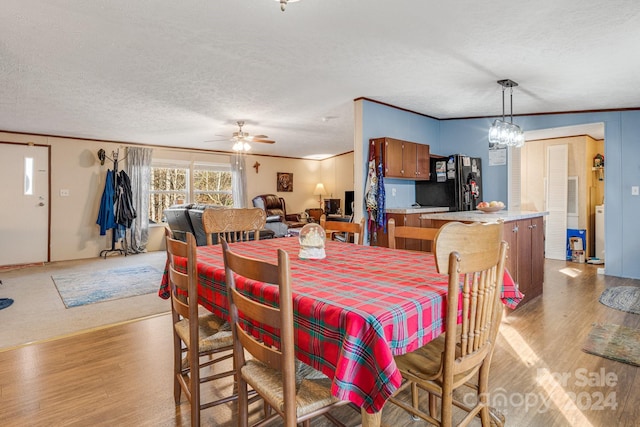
{"points": [[285, 181]]}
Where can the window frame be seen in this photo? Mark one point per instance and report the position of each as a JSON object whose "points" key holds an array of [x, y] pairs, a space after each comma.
{"points": [[189, 191]]}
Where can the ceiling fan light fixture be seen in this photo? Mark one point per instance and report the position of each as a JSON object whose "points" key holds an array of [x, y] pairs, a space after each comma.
{"points": [[241, 141], [283, 3], [241, 146]]}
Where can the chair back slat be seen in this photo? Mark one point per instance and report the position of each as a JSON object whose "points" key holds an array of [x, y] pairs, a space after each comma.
{"points": [[407, 232], [350, 228], [270, 356], [233, 225]]}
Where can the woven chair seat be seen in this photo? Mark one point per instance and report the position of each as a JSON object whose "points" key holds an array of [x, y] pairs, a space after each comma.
{"points": [[425, 363], [214, 332], [311, 394], [426, 360]]}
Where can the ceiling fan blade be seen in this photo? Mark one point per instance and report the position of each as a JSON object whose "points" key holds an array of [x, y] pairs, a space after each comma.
{"points": [[260, 137], [264, 141]]}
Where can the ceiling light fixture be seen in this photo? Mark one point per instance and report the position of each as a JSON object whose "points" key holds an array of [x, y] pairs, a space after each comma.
{"points": [[504, 133], [241, 145], [283, 3]]}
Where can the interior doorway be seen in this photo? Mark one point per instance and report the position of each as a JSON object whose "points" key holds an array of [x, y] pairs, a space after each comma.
{"points": [[585, 142]]}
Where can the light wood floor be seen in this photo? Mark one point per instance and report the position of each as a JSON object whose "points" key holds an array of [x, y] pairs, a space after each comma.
{"points": [[122, 375]]}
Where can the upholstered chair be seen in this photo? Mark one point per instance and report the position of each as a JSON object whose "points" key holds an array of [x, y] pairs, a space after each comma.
{"points": [[277, 218]]}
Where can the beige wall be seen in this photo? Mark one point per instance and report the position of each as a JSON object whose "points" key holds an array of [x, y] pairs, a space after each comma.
{"points": [[75, 167]]}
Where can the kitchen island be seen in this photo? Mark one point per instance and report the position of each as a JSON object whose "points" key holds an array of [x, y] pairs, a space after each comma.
{"points": [[523, 231], [417, 210]]}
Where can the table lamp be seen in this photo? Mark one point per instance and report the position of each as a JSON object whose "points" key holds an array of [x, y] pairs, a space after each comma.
{"points": [[319, 191]]}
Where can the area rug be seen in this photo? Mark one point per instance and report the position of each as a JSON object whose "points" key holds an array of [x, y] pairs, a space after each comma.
{"points": [[624, 298], [614, 342], [78, 289]]}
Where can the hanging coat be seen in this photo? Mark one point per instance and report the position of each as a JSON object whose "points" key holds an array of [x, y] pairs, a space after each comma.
{"points": [[124, 210], [371, 193], [106, 218], [381, 212]]}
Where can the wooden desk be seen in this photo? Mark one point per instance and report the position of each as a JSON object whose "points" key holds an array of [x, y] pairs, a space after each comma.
{"points": [[354, 310]]}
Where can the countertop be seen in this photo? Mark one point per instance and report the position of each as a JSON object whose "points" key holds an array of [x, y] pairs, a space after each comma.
{"points": [[417, 210], [483, 217]]}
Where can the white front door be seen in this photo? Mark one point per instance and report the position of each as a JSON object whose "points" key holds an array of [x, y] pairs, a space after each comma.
{"points": [[24, 210]]}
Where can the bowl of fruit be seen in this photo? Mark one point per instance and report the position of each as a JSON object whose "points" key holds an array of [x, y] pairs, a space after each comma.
{"points": [[491, 206]]}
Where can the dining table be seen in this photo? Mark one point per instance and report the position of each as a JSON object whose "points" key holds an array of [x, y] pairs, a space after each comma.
{"points": [[354, 310]]}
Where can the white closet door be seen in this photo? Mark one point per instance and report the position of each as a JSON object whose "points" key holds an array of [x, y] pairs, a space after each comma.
{"points": [[556, 202]]}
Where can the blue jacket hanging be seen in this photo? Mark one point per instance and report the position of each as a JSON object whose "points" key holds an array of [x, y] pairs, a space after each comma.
{"points": [[106, 218]]}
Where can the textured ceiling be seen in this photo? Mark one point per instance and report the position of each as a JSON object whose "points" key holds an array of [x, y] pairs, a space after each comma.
{"points": [[178, 73]]}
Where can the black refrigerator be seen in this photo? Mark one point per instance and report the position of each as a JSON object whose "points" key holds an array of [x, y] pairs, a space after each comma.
{"points": [[455, 181]]}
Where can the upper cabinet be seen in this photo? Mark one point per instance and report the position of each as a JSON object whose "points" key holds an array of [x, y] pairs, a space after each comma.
{"points": [[402, 159]]}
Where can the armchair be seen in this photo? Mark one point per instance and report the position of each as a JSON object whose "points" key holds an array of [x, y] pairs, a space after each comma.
{"points": [[277, 218]]}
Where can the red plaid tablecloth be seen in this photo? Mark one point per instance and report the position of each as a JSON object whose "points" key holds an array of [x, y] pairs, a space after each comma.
{"points": [[354, 310]]}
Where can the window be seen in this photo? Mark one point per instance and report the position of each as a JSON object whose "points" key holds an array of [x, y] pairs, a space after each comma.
{"points": [[184, 182], [28, 176], [169, 186], [212, 184]]}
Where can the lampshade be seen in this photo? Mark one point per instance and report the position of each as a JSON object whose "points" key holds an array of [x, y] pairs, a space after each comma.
{"points": [[319, 191]]}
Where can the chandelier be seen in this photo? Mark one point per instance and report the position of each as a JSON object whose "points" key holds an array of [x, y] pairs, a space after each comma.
{"points": [[502, 132]]}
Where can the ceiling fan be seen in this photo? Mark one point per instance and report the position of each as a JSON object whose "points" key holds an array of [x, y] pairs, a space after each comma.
{"points": [[242, 139]]}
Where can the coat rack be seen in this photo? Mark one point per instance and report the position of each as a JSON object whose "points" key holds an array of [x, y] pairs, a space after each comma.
{"points": [[102, 155]]}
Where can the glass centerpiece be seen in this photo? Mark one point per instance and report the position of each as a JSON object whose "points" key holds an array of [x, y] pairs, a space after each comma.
{"points": [[312, 238]]}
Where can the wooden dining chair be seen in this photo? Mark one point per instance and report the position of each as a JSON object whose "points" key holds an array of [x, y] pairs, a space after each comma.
{"points": [[193, 334], [345, 228], [234, 225], [271, 371], [473, 256], [395, 232]]}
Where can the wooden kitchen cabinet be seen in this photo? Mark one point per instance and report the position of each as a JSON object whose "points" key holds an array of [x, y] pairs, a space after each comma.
{"points": [[403, 159], [525, 259], [416, 158]]}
